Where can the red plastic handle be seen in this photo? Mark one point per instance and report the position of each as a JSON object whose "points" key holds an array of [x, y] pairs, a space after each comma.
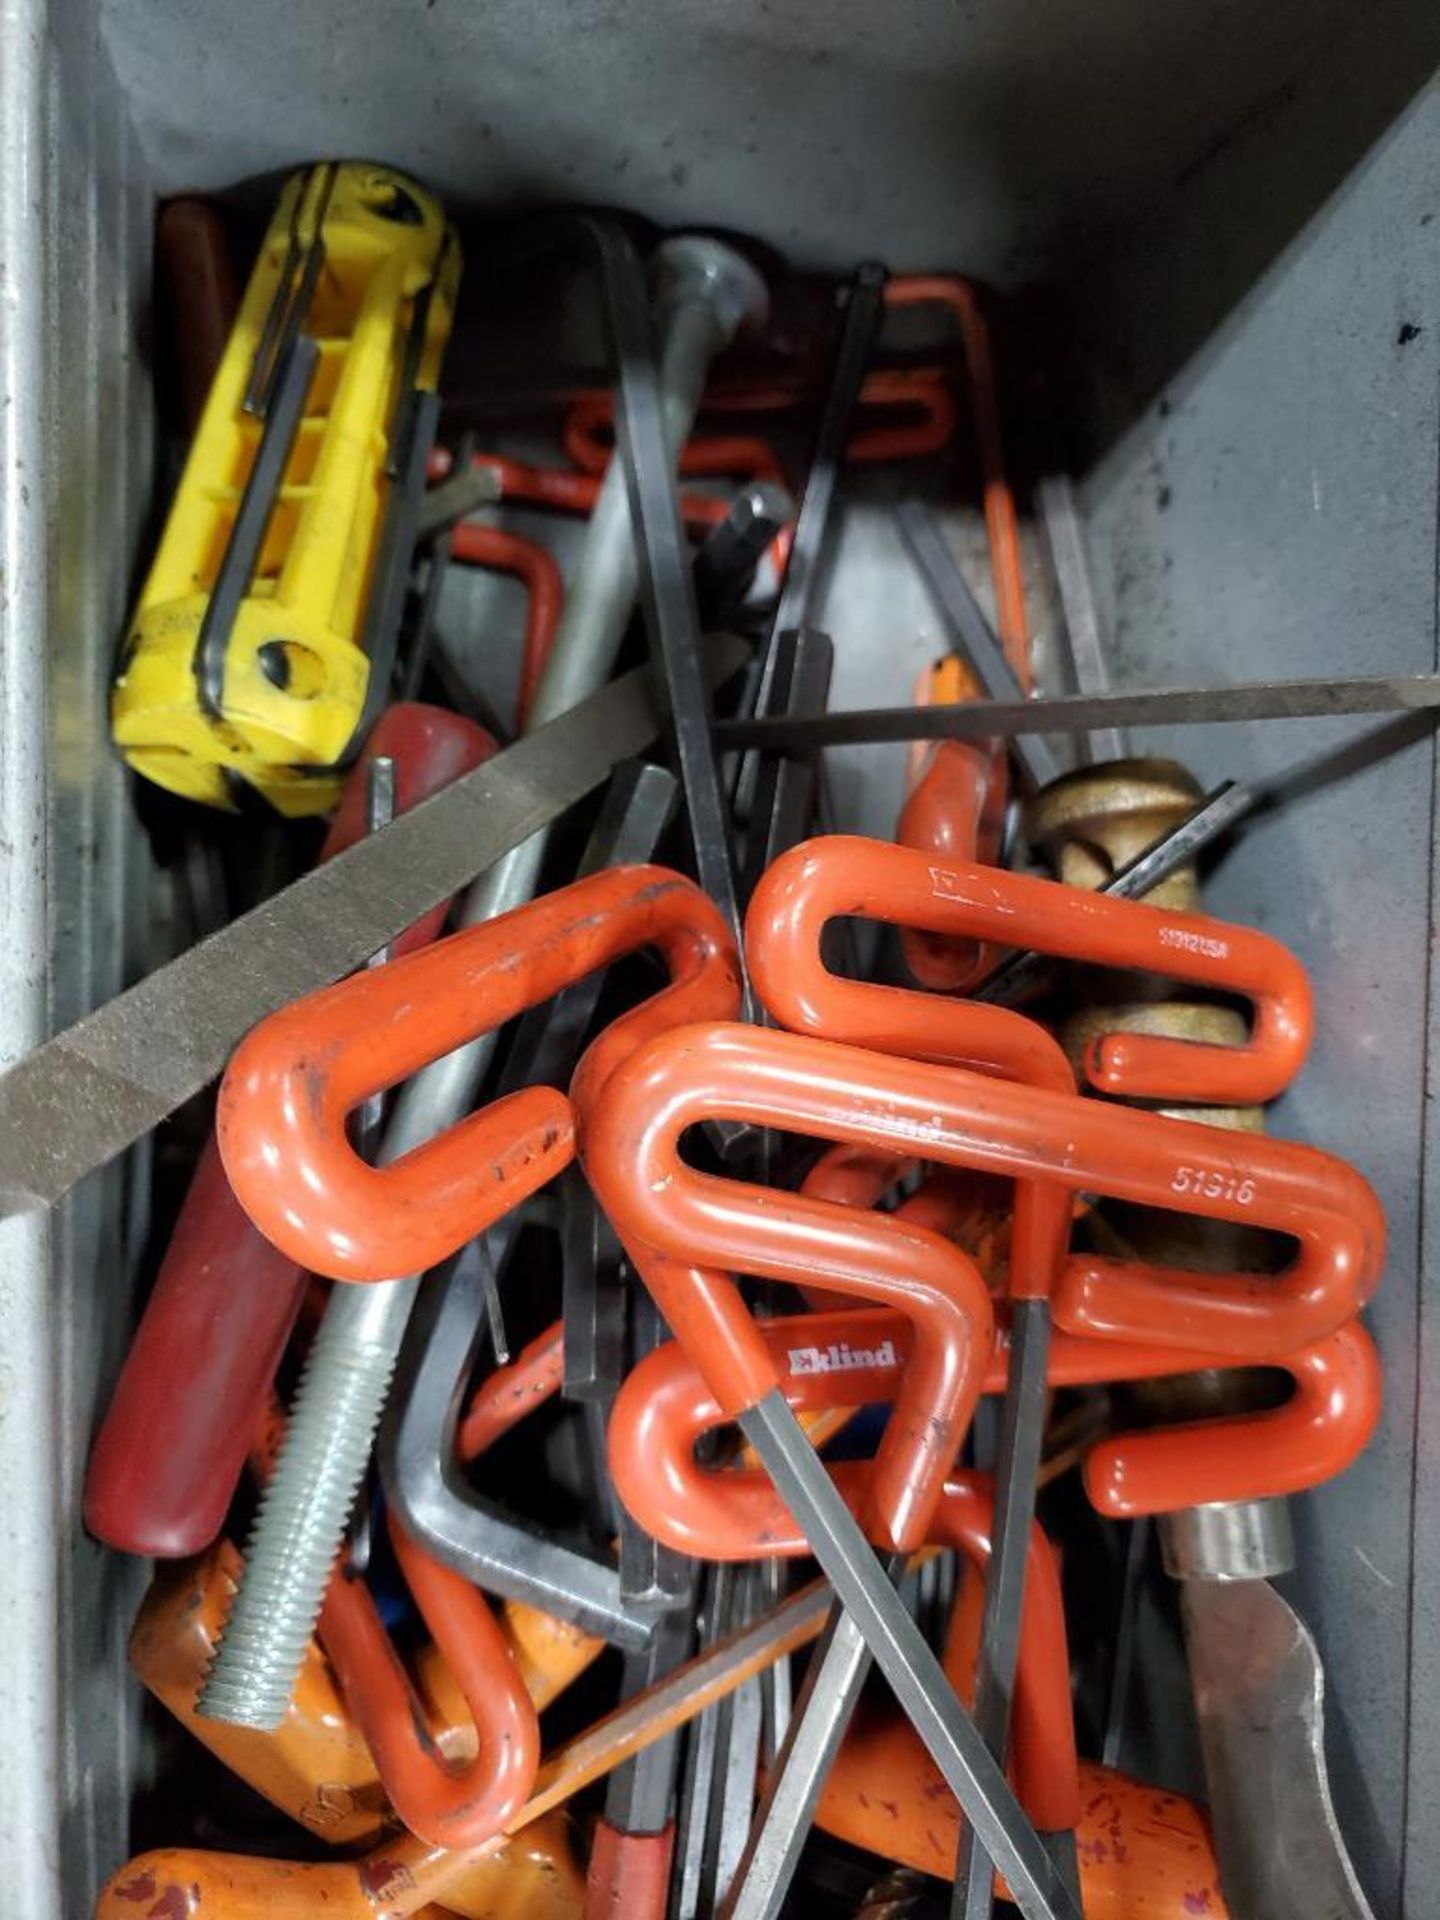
{"points": [[816, 1088], [629, 1874], [968, 1208], [795, 901], [168, 1455], [668, 1214], [474, 544], [784, 923], [1324, 1426], [682, 1216], [288, 1092], [446, 1805]]}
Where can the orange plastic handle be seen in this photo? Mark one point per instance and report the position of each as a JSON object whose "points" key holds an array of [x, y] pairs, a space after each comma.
{"points": [[1320, 1431], [1323, 1427], [834, 1360], [812, 885], [506, 1395], [569, 492], [663, 1409], [1144, 1854], [530, 1877], [288, 1091], [924, 391], [954, 811], [693, 1222], [968, 1208], [456, 1806], [815, 881], [700, 1221]]}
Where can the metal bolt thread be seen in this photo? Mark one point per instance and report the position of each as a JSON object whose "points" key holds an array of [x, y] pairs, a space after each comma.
{"points": [[299, 1525]]}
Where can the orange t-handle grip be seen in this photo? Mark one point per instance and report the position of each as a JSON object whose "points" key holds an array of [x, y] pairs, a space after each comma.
{"points": [[631, 1132], [297, 1077], [823, 879], [1072, 922], [687, 1232], [857, 1358]]}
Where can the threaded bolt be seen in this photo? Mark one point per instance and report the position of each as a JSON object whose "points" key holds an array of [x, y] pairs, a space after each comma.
{"points": [[302, 1516]]}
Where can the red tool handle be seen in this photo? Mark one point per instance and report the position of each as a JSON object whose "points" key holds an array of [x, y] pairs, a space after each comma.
{"points": [[447, 1805], [474, 544], [290, 1088], [816, 1088], [821, 878], [1002, 524], [858, 1358], [169, 1452], [1326, 1424], [629, 1875], [968, 1208]]}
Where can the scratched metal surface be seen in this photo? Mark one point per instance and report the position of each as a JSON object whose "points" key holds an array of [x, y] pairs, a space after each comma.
{"points": [[75, 443], [1275, 510]]}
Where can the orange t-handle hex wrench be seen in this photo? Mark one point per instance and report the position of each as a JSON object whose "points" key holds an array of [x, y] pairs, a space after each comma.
{"points": [[789, 1237], [839, 1093], [856, 1358], [820, 880], [662, 1411], [291, 1086], [794, 900]]}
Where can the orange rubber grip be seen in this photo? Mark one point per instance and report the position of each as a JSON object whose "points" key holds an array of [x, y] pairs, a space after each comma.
{"points": [[290, 1088], [1001, 522], [849, 1359], [690, 1220], [529, 1877], [455, 1805], [1144, 1854], [679, 1225], [813, 884], [821, 878]]}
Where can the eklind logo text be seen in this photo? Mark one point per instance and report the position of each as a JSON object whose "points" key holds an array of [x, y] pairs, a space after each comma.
{"points": [[842, 1358]]}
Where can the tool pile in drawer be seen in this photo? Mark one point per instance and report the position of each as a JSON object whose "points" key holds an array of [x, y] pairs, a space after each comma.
{"points": [[670, 1382]]}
